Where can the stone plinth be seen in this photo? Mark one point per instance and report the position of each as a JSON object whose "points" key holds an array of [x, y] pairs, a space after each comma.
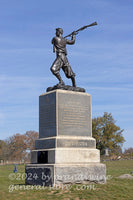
{"points": [[65, 147], [64, 113]]}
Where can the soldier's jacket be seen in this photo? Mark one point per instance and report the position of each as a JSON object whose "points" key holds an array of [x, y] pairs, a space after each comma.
{"points": [[60, 44]]}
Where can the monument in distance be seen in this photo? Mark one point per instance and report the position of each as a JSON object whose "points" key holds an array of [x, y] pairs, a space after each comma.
{"points": [[65, 151]]}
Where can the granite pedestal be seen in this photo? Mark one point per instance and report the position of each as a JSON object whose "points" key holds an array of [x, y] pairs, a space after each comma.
{"points": [[65, 151]]}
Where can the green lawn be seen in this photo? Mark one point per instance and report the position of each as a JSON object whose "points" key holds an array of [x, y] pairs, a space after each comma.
{"points": [[119, 189]]}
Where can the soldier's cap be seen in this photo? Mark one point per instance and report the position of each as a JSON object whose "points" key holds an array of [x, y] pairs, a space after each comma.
{"points": [[60, 30]]}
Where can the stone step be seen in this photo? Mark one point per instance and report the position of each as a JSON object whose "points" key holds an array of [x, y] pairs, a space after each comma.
{"points": [[65, 155], [55, 175], [60, 141]]}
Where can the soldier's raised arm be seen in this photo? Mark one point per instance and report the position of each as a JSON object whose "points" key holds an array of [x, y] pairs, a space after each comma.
{"points": [[72, 41]]}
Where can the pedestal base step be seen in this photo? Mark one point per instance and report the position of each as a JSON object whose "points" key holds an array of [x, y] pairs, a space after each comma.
{"points": [[51, 175], [66, 142], [65, 155]]}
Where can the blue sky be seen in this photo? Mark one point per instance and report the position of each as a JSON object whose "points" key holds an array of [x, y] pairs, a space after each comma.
{"points": [[102, 58]]}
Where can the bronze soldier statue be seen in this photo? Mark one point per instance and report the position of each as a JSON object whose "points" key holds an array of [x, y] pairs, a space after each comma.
{"points": [[61, 61], [59, 46]]}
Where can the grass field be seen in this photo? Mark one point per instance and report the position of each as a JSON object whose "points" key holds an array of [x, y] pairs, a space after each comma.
{"points": [[12, 186]]}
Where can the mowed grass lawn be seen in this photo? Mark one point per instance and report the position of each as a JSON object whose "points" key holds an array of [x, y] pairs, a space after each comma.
{"points": [[119, 189]]}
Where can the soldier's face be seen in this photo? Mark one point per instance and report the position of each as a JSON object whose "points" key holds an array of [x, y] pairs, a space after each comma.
{"points": [[57, 33]]}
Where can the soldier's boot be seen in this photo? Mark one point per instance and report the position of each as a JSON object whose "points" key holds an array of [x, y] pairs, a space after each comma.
{"points": [[73, 81], [61, 82]]}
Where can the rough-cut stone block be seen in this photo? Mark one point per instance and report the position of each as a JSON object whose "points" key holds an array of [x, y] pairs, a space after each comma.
{"points": [[51, 175], [80, 173]]}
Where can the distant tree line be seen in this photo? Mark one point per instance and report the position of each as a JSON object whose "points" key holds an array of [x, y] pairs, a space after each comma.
{"points": [[18, 146], [129, 151]]}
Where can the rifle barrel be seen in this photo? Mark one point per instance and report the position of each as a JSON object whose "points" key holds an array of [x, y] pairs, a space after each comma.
{"points": [[82, 28]]}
